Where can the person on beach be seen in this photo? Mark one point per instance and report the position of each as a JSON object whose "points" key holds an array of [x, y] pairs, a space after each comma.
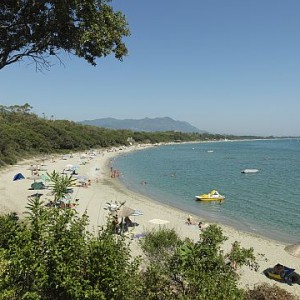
{"points": [[127, 223], [116, 224], [189, 221]]}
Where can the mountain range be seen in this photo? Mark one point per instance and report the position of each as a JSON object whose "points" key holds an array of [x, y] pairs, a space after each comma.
{"points": [[146, 124]]}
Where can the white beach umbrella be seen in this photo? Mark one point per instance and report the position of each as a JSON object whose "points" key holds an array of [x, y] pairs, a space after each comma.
{"points": [[112, 206], [68, 167], [159, 221], [137, 212]]}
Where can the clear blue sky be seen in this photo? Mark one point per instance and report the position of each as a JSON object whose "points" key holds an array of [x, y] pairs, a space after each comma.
{"points": [[225, 66]]}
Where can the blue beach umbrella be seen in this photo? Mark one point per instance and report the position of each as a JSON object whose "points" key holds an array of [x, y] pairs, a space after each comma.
{"points": [[18, 176]]}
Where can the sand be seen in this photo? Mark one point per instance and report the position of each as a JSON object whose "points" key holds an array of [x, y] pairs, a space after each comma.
{"points": [[104, 189]]}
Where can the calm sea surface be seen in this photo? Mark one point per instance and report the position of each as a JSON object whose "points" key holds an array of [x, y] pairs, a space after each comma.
{"points": [[267, 202]]}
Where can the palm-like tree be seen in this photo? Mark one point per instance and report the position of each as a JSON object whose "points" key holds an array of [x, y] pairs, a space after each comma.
{"points": [[60, 184]]}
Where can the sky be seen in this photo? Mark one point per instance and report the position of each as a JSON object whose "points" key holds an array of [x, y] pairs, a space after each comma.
{"points": [[224, 66]]}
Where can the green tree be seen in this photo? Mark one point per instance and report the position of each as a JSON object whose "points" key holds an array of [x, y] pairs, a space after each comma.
{"points": [[51, 255], [8, 228], [38, 29], [60, 185], [189, 270]]}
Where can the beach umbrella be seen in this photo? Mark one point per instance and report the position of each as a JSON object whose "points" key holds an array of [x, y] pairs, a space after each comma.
{"points": [[293, 250], [112, 206], [124, 211], [68, 167], [37, 186], [159, 221], [42, 169], [45, 177], [18, 176], [137, 212], [82, 179]]}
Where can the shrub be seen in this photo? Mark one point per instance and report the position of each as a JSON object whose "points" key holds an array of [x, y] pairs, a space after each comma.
{"points": [[268, 292]]}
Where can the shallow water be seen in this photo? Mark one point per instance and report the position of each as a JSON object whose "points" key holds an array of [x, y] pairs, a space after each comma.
{"points": [[267, 202]]}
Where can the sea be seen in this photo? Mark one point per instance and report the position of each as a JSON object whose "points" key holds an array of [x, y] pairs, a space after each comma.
{"points": [[266, 203]]}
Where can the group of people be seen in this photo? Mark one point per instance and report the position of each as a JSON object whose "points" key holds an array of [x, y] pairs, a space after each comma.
{"points": [[189, 221], [62, 204], [121, 226], [114, 173]]}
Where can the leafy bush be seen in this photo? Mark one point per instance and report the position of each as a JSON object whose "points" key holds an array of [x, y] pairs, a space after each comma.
{"points": [[186, 270], [160, 244], [8, 228], [269, 292], [52, 256]]}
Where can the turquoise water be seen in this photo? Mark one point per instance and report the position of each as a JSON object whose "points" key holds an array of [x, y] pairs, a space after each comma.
{"points": [[267, 202]]}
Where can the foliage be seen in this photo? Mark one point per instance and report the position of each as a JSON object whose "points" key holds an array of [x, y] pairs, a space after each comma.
{"points": [[25, 134], [240, 256], [60, 185], [160, 244], [40, 29], [268, 292], [188, 270], [110, 267], [52, 256], [8, 228]]}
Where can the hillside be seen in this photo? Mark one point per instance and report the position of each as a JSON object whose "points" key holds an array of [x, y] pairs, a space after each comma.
{"points": [[24, 134], [146, 124]]}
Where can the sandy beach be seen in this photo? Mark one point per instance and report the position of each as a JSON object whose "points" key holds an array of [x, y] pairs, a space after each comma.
{"points": [[105, 189]]}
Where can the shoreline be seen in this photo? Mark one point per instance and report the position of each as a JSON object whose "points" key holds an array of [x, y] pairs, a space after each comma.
{"points": [[252, 228], [104, 189]]}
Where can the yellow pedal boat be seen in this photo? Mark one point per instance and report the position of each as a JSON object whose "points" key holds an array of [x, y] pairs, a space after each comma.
{"points": [[211, 196]]}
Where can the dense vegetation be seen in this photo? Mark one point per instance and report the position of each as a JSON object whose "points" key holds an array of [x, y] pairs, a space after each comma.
{"points": [[51, 255], [25, 134]]}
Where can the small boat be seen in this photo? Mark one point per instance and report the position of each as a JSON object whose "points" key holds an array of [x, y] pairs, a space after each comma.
{"points": [[249, 171], [211, 196]]}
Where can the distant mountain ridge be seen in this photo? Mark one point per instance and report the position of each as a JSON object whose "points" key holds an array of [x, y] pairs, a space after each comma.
{"points": [[146, 124]]}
